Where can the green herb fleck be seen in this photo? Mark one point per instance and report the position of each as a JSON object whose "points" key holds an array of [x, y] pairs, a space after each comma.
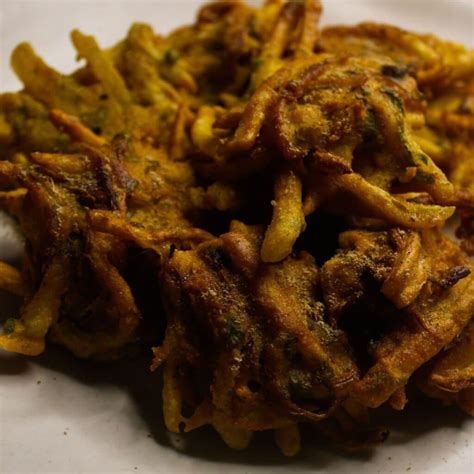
{"points": [[425, 178], [391, 70], [23, 110], [300, 384], [371, 129], [258, 62], [171, 56], [422, 157], [363, 91], [9, 326], [234, 330], [395, 99], [132, 184]]}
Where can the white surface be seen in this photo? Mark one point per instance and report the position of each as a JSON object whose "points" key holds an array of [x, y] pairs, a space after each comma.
{"points": [[85, 418]]}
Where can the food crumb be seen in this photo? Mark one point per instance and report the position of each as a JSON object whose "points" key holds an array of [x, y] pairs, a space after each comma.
{"points": [[38, 382], [408, 468], [65, 433]]}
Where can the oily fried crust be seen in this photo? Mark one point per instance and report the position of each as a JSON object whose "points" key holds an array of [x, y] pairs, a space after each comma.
{"points": [[450, 376], [434, 62], [220, 302], [317, 128], [431, 323], [433, 329]]}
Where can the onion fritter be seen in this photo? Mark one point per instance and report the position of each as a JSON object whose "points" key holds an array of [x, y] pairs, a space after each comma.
{"points": [[259, 201]]}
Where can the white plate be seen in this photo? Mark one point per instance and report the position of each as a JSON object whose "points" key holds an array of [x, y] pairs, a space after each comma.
{"points": [[59, 414]]}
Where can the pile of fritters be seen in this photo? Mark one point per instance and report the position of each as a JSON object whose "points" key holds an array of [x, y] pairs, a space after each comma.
{"points": [[264, 203]]}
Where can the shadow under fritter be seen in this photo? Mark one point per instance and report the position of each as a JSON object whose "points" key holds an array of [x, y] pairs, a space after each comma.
{"points": [[144, 389]]}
